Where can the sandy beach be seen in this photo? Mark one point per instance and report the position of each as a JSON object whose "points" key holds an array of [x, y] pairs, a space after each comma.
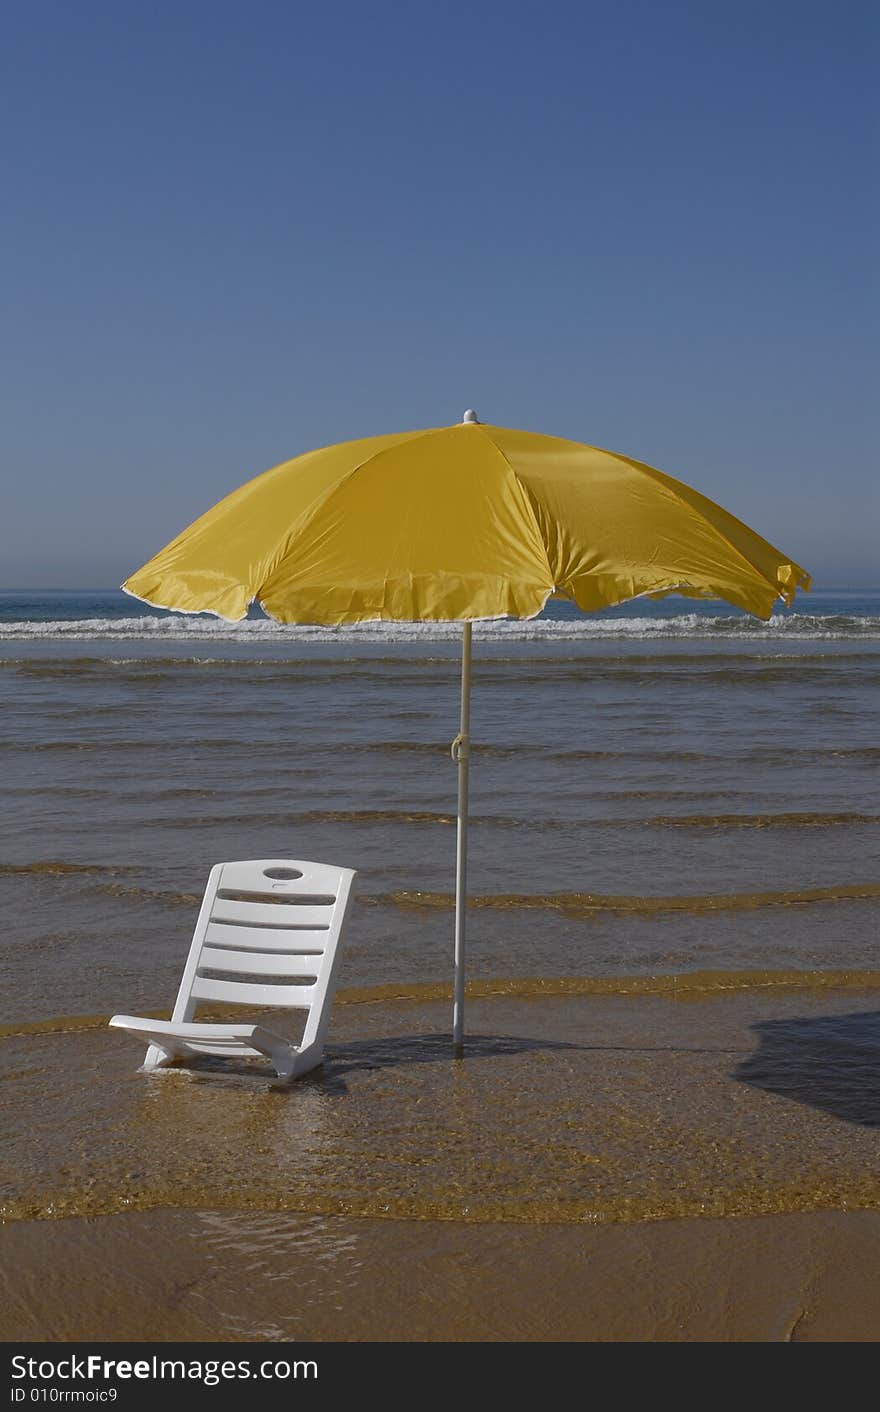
{"points": [[625, 1168]]}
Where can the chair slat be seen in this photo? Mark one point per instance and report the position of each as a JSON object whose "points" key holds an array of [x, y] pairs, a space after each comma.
{"points": [[253, 963], [271, 914], [224, 1049], [288, 940], [292, 997]]}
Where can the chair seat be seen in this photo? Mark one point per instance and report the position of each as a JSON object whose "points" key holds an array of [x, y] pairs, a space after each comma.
{"points": [[179, 1038], [138, 1024]]}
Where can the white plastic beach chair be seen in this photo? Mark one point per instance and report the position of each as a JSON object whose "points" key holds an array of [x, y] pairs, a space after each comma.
{"points": [[277, 918]]}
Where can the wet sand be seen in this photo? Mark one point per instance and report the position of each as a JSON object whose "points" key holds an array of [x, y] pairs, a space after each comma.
{"points": [[680, 1165], [581, 1108], [182, 1276]]}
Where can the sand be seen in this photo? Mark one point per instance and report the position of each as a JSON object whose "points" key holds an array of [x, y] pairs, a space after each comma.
{"points": [[206, 1275], [638, 1167]]}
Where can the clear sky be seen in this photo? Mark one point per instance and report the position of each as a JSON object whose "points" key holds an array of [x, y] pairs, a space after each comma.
{"points": [[233, 232]]}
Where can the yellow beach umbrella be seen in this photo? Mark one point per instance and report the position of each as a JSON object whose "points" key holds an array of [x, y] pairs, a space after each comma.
{"points": [[460, 523]]}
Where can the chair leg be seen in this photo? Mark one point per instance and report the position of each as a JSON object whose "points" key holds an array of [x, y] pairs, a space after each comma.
{"points": [[308, 1059], [156, 1058], [283, 1057]]}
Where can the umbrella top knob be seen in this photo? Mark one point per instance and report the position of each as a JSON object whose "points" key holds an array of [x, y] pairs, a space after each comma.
{"points": [[470, 418]]}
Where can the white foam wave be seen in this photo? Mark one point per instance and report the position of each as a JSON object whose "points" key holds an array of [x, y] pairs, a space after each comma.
{"points": [[179, 628]]}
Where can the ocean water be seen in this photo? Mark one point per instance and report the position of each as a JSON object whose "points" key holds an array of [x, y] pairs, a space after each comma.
{"points": [[672, 938], [665, 788]]}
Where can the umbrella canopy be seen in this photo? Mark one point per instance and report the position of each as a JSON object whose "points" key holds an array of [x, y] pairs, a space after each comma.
{"points": [[460, 523]]}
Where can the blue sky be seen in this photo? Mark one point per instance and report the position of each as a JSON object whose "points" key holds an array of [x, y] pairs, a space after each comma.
{"points": [[234, 232]]}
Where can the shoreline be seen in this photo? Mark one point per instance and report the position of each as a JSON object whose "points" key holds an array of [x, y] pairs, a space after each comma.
{"points": [[228, 1276], [674, 985]]}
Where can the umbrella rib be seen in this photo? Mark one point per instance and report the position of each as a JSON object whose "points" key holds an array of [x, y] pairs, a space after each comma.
{"points": [[528, 499], [669, 483]]}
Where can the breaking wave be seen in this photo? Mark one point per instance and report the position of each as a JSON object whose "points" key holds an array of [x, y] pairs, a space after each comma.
{"points": [[174, 627]]}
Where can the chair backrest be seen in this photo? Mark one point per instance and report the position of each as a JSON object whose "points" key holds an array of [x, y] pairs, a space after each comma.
{"points": [[268, 934]]}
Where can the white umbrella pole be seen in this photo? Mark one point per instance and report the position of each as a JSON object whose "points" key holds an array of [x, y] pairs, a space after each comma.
{"points": [[460, 754]]}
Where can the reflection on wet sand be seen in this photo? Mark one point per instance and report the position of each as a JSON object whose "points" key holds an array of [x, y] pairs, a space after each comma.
{"points": [[568, 1108]]}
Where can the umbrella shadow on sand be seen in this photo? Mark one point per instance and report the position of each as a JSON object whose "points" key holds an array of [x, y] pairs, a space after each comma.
{"points": [[830, 1062], [366, 1055]]}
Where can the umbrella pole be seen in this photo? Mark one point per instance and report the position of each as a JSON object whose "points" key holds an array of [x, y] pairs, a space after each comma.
{"points": [[460, 754]]}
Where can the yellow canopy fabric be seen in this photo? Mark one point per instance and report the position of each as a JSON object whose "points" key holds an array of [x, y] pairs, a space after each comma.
{"points": [[460, 523]]}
